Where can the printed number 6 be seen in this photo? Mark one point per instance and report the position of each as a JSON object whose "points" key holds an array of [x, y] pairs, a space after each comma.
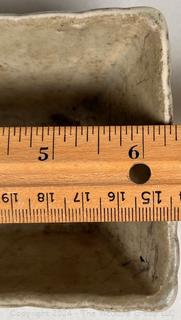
{"points": [[133, 153]]}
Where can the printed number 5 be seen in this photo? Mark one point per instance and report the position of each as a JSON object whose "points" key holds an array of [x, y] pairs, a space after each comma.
{"points": [[43, 155]]}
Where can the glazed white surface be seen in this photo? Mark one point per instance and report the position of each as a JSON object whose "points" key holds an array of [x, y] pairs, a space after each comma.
{"points": [[172, 12]]}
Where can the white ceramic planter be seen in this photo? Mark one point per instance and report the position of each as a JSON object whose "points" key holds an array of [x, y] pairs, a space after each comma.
{"points": [[98, 67]]}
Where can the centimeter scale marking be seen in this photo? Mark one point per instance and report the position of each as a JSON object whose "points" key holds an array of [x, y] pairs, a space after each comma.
{"points": [[42, 206], [90, 174]]}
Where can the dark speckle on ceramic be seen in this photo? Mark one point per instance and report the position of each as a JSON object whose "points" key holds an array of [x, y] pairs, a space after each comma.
{"points": [[100, 67]]}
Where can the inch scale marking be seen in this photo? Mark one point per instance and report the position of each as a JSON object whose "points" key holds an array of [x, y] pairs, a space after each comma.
{"points": [[90, 174]]}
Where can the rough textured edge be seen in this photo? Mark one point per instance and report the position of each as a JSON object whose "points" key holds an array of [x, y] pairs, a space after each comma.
{"points": [[156, 19]]}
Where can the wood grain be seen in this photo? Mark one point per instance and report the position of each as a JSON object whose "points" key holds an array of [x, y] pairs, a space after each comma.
{"points": [[82, 174]]}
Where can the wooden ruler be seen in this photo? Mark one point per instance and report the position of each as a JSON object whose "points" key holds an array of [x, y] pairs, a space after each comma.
{"points": [[90, 174]]}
